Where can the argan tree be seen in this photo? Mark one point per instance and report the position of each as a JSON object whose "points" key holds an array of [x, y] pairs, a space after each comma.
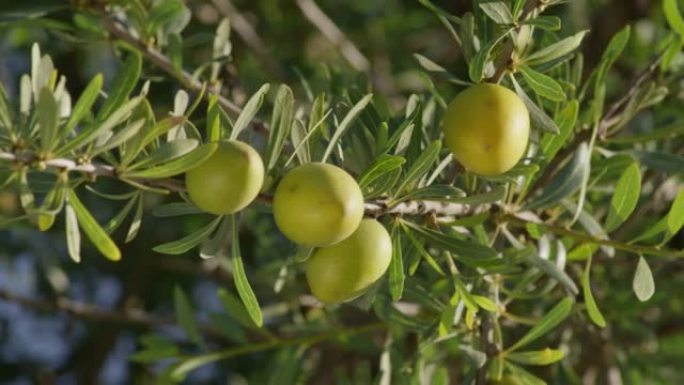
{"points": [[499, 213]]}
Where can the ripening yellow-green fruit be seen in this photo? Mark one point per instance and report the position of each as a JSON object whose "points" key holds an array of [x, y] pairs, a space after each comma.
{"points": [[228, 181], [487, 128], [317, 204], [344, 271]]}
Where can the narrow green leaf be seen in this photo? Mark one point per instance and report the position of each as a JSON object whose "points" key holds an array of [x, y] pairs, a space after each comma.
{"points": [[538, 117], [476, 66], [592, 308], [567, 181], [213, 119], [123, 83], [380, 166], [521, 376], [555, 50], [93, 230], [625, 197], [120, 137], [539, 357], [436, 69], [185, 315], [353, 113], [177, 165], [153, 355], [221, 47], [453, 244], [5, 110], [48, 116], [547, 23], [120, 217], [242, 285], [661, 161], [674, 16], [675, 217], [420, 167], [565, 120], [497, 11], [552, 319], [166, 152], [422, 251], [435, 192], [234, 307], [553, 271], [136, 222], [214, 246], [188, 242], [281, 125], [73, 234], [396, 268], [93, 131], [484, 303], [249, 111], [615, 47], [545, 86], [643, 283]]}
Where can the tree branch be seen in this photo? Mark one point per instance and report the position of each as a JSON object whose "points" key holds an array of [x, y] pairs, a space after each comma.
{"points": [[164, 63], [320, 20], [373, 208], [583, 237], [200, 360], [92, 313]]}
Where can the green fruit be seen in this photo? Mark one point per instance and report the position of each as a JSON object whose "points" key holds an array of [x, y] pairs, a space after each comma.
{"points": [[343, 271], [317, 204], [487, 127], [228, 181]]}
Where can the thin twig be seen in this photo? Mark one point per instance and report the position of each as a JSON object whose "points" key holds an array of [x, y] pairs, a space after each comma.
{"points": [[506, 56], [583, 237], [333, 33], [164, 63], [281, 343], [249, 35], [613, 113], [611, 116]]}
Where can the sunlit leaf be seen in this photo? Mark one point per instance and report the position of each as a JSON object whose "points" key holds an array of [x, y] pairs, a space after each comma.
{"points": [[188, 242], [353, 113], [177, 165], [93, 230], [555, 50], [539, 357], [592, 308], [552, 319], [643, 284], [625, 197], [240, 278], [249, 111]]}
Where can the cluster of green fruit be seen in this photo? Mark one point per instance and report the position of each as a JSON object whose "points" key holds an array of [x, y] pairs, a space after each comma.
{"points": [[321, 206]]}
